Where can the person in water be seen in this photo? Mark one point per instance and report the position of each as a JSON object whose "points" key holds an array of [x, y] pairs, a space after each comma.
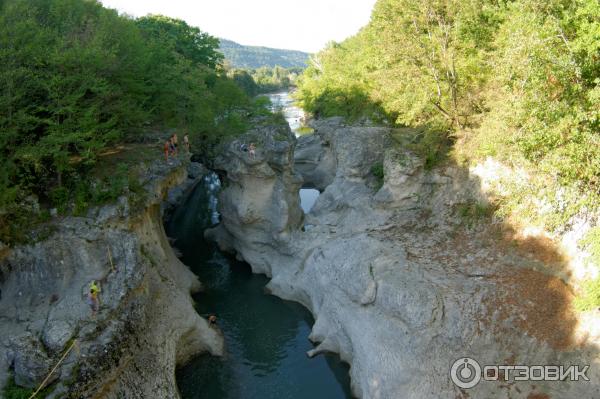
{"points": [[93, 298], [212, 320]]}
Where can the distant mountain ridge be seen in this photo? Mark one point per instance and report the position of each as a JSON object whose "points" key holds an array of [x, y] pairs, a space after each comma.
{"points": [[241, 56]]}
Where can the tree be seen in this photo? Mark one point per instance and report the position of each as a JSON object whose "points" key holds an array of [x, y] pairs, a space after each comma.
{"points": [[189, 42], [244, 80]]}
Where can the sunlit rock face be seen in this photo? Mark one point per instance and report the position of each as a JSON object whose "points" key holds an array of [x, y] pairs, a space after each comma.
{"points": [[401, 284]]}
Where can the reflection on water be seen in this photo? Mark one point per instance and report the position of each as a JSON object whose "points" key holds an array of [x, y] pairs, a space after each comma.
{"points": [[266, 337]]}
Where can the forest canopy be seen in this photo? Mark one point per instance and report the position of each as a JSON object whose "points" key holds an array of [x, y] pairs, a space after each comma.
{"points": [[254, 57], [78, 78], [508, 77]]}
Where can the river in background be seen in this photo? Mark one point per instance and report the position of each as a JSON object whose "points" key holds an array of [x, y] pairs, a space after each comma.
{"points": [[265, 337], [295, 116]]}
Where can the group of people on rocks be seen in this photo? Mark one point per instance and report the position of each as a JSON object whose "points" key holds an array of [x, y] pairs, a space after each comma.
{"points": [[171, 146]]}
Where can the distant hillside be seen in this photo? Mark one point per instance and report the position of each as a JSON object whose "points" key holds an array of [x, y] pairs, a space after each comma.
{"points": [[255, 57]]}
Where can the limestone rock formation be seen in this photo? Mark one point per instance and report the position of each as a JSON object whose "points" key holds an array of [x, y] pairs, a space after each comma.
{"points": [[146, 324], [401, 282], [261, 208]]}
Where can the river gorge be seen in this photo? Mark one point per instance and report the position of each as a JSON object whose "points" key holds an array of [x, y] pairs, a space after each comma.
{"points": [[265, 337], [301, 249]]}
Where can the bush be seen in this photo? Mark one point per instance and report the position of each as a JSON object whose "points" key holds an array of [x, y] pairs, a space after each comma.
{"points": [[378, 171]]}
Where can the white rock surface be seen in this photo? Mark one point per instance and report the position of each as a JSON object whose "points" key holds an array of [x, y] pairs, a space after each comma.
{"points": [[399, 287]]}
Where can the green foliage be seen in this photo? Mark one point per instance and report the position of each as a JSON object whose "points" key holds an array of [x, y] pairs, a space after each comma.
{"points": [[60, 197], [590, 298], [252, 57], [337, 81], [181, 39], [549, 84], [264, 79], [245, 81], [13, 217], [77, 78], [591, 242], [378, 171], [263, 102], [418, 62], [13, 391], [273, 79], [432, 146], [474, 212], [519, 80]]}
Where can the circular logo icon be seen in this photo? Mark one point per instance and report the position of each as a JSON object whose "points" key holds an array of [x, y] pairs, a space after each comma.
{"points": [[465, 373]]}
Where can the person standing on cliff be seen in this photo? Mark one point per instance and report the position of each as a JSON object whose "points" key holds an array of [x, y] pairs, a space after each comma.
{"points": [[186, 143], [252, 149]]}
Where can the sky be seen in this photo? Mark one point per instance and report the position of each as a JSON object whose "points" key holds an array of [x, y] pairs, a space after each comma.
{"points": [[305, 25]]}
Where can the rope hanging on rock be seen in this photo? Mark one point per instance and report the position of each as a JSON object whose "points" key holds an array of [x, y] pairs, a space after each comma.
{"points": [[53, 370], [112, 266]]}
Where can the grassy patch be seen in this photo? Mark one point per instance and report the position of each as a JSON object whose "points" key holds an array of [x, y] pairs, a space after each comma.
{"points": [[591, 242], [472, 213], [590, 297]]}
